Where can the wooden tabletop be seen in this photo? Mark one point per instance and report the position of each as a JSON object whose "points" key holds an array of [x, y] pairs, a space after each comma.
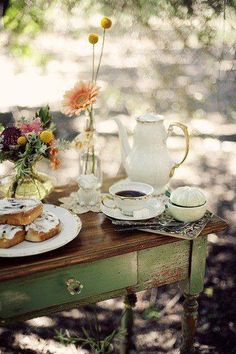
{"points": [[97, 240]]}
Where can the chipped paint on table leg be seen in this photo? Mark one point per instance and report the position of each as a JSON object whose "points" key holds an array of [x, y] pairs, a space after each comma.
{"points": [[127, 345], [189, 323], [191, 289]]}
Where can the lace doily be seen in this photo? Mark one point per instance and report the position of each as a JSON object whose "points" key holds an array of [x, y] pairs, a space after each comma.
{"points": [[72, 203]]}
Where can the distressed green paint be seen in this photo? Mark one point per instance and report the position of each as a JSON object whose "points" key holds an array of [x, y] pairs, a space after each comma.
{"points": [[195, 282], [64, 307], [47, 289], [192, 287], [164, 264]]}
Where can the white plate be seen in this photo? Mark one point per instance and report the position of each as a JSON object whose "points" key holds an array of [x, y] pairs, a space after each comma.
{"points": [[71, 226], [154, 208]]}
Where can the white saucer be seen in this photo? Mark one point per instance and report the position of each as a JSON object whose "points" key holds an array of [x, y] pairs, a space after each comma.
{"points": [[154, 208]]}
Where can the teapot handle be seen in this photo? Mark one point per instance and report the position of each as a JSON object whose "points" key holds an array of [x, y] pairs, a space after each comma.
{"points": [[184, 128]]}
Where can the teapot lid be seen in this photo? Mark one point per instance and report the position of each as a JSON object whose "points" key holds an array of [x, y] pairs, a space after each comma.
{"points": [[150, 117]]}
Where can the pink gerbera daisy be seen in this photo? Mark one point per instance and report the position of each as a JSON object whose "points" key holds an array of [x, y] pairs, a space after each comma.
{"points": [[81, 97]]}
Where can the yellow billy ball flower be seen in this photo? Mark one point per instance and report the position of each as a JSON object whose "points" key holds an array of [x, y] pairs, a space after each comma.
{"points": [[21, 140], [106, 22], [93, 38], [46, 136]]}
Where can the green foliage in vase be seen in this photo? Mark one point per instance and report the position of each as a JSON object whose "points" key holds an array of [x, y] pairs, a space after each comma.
{"points": [[45, 117]]}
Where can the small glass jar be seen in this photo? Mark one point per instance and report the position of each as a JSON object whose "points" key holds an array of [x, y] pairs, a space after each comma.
{"points": [[90, 163]]}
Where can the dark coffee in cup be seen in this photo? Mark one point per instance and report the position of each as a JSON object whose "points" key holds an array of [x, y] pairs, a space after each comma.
{"points": [[130, 194]]}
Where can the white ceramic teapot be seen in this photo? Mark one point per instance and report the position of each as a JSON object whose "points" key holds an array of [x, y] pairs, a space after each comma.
{"points": [[148, 161]]}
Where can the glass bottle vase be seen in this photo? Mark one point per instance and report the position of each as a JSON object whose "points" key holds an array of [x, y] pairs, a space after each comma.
{"points": [[90, 163]]}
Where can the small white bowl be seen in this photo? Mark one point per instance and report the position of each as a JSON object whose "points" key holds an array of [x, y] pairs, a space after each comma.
{"points": [[187, 214]]}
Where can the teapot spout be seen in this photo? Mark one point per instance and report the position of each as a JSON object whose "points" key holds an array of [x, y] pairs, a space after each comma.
{"points": [[124, 142]]}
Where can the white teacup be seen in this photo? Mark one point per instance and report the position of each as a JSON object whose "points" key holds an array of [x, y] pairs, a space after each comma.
{"points": [[129, 196]]}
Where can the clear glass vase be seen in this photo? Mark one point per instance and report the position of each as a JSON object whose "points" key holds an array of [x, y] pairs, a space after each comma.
{"points": [[90, 163], [36, 185]]}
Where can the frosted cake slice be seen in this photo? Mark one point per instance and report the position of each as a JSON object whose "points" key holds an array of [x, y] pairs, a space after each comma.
{"points": [[44, 227], [19, 211], [11, 235]]}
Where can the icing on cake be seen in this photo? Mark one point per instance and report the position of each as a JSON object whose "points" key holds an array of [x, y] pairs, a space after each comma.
{"points": [[9, 231], [14, 206], [44, 223]]}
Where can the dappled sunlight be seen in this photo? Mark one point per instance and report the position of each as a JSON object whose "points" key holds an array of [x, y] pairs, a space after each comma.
{"points": [[74, 313], [152, 339], [43, 347], [41, 322], [24, 342], [112, 303]]}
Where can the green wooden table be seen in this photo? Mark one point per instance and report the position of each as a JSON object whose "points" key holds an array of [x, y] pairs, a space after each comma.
{"points": [[100, 264]]}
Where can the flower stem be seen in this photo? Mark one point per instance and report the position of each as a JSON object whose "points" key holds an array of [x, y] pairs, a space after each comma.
{"points": [[91, 130], [93, 156], [93, 62], [100, 59], [91, 120], [86, 163]]}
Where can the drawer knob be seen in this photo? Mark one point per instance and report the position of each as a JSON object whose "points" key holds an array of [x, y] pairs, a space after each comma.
{"points": [[74, 286]]}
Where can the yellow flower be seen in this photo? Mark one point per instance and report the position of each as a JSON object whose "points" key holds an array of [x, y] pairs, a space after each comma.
{"points": [[93, 38], [21, 140], [46, 136], [106, 22]]}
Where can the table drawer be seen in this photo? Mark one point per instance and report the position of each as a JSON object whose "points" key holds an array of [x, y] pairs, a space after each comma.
{"points": [[46, 289]]}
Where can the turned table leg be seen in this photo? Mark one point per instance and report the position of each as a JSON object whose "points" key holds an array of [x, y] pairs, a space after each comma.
{"points": [[191, 287], [127, 345], [189, 323]]}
